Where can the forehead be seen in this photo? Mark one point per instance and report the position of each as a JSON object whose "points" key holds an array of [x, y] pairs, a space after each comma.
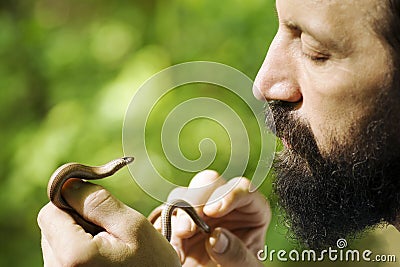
{"points": [[333, 14]]}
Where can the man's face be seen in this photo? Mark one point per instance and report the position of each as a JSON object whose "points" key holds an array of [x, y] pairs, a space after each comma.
{"points": [[337, 115]]}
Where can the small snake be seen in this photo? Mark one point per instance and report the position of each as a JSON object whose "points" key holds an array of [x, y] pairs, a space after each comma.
{"points": [[76, 170], [167, 212]]}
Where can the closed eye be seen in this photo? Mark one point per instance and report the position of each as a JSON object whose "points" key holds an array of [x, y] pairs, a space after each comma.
{"points": [[316, 58]]}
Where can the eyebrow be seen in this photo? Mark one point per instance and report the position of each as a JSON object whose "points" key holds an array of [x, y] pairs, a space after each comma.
{"points": [[295, 27], [322, 36]]}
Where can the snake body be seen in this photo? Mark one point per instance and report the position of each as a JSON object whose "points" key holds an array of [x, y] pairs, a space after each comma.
{"points": [[77, 170], [166, 214]]}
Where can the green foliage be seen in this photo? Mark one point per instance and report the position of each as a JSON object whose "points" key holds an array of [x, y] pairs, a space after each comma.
{"points": [[68, 72]]}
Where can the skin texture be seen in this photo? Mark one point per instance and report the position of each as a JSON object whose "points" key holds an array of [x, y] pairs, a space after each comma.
{"points": [[318, 59]]}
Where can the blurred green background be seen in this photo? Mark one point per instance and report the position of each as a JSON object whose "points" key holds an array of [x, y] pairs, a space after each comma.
{"points": [[68, 71]]}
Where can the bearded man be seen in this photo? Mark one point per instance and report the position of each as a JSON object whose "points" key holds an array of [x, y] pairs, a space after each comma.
{"points": [[331, 78]]}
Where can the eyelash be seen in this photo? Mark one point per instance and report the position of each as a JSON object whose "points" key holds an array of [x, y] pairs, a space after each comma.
{"points": [[316, 59]]}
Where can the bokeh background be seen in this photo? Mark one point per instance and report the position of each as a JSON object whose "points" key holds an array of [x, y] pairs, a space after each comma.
{"points": [[68, 72]]}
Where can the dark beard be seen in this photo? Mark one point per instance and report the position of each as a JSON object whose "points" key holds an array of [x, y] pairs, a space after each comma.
{"points": [[335, 196]]}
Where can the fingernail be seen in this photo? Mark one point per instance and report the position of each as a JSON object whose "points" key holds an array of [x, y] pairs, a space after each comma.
{"points": [[74, 190], [73, 184], [219, 242], [77, 184]]}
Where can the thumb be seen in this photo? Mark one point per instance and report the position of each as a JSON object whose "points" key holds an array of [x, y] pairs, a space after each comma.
{"points": [[226, 249], [98, 206]]}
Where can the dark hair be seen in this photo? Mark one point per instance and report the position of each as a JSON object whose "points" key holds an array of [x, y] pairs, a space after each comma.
{"points": [[392, 36], [392, 33]]}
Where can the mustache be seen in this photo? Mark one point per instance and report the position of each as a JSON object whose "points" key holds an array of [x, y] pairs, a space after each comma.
{"points": [[281, 118], [277, 114]]}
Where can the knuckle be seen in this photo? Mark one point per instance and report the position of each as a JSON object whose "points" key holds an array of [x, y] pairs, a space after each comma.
{"points": [[100, 200]]}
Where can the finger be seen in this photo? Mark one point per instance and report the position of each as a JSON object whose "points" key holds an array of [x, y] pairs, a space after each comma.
{"points": [[48, 256], [177, 242], [71, 245], [225, 249], [157, 225], [199, 191], [155, 214], [200, 188], [240, 199], [97, 205], [155, 217], [126, 229], [64, 237]]}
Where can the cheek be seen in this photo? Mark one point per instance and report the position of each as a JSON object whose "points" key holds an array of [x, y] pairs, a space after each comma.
{"points": [[337, 98]]}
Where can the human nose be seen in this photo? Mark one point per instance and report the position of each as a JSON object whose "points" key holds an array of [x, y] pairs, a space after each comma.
{"points": [[276, 79]]}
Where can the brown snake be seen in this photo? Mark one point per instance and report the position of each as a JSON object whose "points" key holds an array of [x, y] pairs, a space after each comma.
{"points": [[76, 170]]}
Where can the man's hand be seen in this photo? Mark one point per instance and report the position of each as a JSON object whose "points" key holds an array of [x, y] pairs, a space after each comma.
{"points": [[128, 240], [239, 221]]}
